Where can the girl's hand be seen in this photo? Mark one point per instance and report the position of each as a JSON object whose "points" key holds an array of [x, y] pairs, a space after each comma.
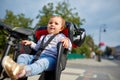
{"points": [[65, 42], [26, 42]]}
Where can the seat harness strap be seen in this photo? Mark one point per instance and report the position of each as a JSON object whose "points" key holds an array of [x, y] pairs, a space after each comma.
{"points": [[42, 46]]}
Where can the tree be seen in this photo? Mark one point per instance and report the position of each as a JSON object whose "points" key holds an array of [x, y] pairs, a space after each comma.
{"points": [[15, 21], [66, 12], [61, 9], [89, 41], [2, 41], [44, 14], [90, 44]]}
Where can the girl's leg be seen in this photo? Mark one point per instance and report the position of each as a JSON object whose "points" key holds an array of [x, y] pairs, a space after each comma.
{"points": [[25, 59], [43, 64], [15, 70]]}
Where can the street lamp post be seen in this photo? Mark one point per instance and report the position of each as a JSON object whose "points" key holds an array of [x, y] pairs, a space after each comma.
{"points": [[101, 29]]}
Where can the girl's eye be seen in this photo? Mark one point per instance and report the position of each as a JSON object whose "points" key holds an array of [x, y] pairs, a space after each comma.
{"points": [[56, 23], [50, 22]]}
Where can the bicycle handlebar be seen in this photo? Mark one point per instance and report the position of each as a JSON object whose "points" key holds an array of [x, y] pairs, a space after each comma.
{"points": [[16, 31]]}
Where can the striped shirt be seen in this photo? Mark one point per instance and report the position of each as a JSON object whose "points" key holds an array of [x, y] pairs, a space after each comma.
{"points": [[51, 49]]}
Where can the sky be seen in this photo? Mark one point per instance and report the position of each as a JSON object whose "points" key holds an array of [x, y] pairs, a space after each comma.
{"points": [[99, 15]]}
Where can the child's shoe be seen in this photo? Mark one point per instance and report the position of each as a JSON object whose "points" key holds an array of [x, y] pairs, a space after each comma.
{"points": [[12, 68]]}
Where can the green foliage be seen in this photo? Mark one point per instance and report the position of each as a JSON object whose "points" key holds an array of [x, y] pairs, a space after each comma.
{"points": [[84, 49], [90, 42], [45, 14], [67, 13], [2, 40], [61, 9], [17, 20], [108, 51]]}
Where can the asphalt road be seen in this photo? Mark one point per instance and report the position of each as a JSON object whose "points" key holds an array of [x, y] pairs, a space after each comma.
{"points": [[94, 70]]}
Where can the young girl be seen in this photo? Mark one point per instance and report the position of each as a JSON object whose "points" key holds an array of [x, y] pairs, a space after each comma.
{"points": [[47, 59]]}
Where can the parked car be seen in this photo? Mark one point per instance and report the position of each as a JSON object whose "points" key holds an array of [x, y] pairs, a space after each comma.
{"points": [[111, 57]]}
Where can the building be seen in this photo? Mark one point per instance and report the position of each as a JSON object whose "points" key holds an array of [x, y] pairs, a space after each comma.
{"points": [[116, 52]]}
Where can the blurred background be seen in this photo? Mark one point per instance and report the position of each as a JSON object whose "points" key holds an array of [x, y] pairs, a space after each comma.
{"points": [[100, 19]]}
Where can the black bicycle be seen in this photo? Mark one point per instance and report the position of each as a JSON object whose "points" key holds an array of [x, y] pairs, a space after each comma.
{"points": [[14, 36]]}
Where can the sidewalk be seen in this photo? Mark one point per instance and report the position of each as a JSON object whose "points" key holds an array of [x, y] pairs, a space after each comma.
{"points": [[92, 62]]}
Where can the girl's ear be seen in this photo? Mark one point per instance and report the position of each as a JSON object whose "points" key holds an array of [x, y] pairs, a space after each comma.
{"points": [[62, 28]]}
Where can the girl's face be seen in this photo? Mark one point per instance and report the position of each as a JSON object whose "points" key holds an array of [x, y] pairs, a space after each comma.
{"points": [[54, 25]]}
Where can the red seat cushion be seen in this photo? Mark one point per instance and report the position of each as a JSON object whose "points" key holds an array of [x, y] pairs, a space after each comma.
{"points": [[39, 33]]}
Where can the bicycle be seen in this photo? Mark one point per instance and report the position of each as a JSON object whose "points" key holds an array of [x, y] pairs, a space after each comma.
{"points": [[14, 36]]}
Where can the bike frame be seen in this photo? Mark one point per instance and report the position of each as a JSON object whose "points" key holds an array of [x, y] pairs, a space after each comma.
{"points": [[9, 44]]}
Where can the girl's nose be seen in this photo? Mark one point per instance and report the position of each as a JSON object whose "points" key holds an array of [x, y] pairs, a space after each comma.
{"points": [[52, 24]]}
